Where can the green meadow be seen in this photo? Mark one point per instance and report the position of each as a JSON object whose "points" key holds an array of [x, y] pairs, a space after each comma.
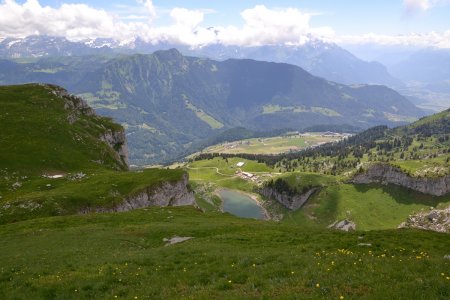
{"points": [[123, 256]]}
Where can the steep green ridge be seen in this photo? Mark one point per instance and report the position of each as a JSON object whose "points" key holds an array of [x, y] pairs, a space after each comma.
{"points": [[53, 160], [124, 255], [37, 135], [170, 103]]}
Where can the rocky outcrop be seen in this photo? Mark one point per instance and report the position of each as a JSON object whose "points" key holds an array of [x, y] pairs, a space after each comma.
{"points": [[118, 141], [292, 202], [167, 194], [75, 105], [344, 225], [435, 220], [387, 174]]}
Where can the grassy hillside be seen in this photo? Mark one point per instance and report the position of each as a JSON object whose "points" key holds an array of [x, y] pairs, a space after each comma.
{"points": [[124, 256], [53, 162], [370, 207], [37, 136]]}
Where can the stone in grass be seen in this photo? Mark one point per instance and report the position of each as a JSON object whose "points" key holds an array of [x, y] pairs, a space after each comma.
{"points": [[446, 256], [176, 240], [344, 225]]}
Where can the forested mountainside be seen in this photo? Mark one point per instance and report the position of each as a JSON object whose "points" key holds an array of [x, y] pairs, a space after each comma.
{"points": [[168, 102]]}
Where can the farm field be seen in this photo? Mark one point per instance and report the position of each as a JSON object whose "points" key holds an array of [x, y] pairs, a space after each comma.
{"points": [[273, 145]]}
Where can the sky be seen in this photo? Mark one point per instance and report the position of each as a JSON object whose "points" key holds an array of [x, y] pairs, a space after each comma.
{"points": [[234, 22]]}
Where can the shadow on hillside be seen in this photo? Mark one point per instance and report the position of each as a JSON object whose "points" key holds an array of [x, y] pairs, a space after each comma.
{"points": [[403, 195]]}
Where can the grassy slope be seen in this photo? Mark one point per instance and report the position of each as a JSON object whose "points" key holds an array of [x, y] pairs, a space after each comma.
{"points": [[371, 207], [37, 139], [123, 255], [38, 197], [36, 136]]}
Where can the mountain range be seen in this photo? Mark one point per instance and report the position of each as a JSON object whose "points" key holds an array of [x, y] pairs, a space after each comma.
{"points": [[169, 102], [320, 58]]}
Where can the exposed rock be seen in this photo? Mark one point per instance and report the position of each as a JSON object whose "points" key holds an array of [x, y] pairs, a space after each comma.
{"points": [[176, 240], [436, 220], [290, 202], [387, 174], [446, 256], [344, 225], [72, 103], [167, 194], [365, 244], [118, 141]]}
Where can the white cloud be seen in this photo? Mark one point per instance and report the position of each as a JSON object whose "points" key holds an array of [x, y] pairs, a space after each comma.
{"points": [[78, 21], [74, 21], [150, 8], [261, 25], [271, 26]]}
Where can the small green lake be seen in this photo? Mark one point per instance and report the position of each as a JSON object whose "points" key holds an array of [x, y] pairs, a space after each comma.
{"points": [[240, 204]]}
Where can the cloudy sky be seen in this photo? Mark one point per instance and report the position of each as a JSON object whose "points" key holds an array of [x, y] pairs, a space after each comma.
{"points": [[233, 22]]}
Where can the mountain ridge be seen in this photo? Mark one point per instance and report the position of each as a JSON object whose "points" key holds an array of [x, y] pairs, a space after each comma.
{"points": [[170, 102], [321, 58]]}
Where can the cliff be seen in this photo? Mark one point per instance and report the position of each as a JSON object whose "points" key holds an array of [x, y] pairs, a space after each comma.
{"points": [[292, 202], [387, 174], [167, 194], [117, 140]]}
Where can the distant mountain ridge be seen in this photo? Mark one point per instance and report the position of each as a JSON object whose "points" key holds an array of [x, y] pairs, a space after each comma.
{"points": [[169, 102], [320, 58]]}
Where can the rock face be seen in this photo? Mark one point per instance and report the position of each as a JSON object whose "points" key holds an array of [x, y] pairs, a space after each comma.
{"points": [[387, 174], [72, 103], [344, 225], [118, 141], [290, 202], [435, 220], [168, 194]]}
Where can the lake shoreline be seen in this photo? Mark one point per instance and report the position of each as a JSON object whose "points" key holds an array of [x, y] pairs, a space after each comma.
{"points": [[253, 197]]}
